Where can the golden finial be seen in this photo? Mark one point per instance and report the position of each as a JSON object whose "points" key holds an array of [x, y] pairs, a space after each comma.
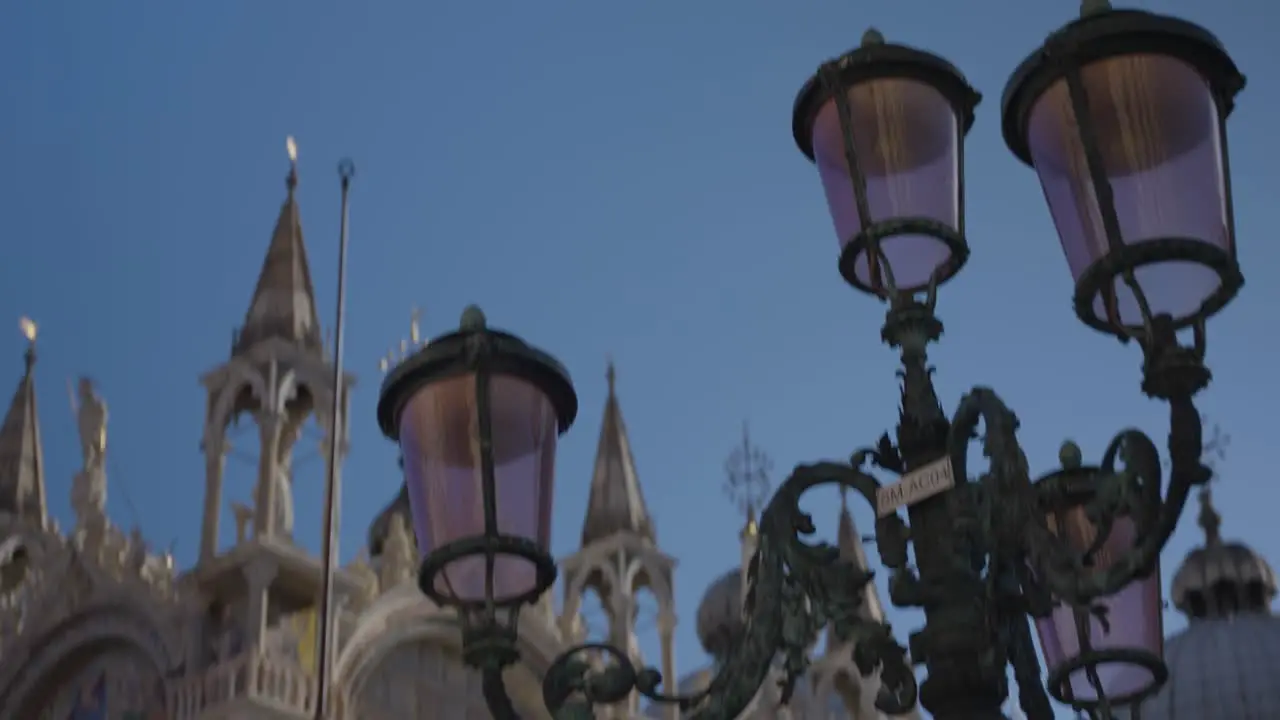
{"points": [[752, 528], [291, 147], [29, 329]]}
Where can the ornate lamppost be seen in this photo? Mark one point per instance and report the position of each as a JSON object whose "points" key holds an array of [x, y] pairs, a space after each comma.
{"points": [[1122, 115]]}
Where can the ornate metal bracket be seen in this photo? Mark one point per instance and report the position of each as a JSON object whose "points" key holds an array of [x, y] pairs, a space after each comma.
{"points": [[794, 590]]}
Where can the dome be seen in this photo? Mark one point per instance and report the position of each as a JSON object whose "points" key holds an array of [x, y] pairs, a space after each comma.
{"points": [[1221, 578], [1215, 574], [1224, 664], [720, 613], [1222, 668]]}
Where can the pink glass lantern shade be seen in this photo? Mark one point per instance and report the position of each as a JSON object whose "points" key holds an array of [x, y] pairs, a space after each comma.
{"points": [[1126, 656], [477, 414], [907, 114], [440, 439], [1133, 164]]}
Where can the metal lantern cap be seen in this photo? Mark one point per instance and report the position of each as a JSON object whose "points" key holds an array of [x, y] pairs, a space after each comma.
{"points": [[893, 181], [1112, 106], [1110, 33], [449, 356], [878, 60]]}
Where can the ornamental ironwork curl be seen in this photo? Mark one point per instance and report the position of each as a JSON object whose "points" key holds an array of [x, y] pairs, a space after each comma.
{"points": [[794, 589]]}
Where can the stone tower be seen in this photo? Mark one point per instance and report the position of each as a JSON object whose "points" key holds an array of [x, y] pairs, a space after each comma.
{"points": [[22, 487], [278, 375], [619, 555]]}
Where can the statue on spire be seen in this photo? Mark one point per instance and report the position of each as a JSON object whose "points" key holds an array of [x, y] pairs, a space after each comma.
{"points": [[91, 420], [89, 487]]}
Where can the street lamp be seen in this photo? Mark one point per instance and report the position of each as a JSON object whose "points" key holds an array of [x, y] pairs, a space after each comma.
{"points": [[477, 413], [1122, 115]]}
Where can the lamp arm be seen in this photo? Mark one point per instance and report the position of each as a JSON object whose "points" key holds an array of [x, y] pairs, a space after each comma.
{"points": [[794, 590], [1132, 492], [494, 689]]}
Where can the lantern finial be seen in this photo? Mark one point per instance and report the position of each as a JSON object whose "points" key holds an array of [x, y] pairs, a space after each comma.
{"points": [[1093, 7], [473, 319], [1070, 456]]}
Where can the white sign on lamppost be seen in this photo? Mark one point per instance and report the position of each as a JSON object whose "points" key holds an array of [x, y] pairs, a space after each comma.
{"points": [[917, 485]]}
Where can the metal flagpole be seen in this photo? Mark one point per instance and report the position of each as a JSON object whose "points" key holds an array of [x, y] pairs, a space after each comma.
{"points": [[329, 550]]}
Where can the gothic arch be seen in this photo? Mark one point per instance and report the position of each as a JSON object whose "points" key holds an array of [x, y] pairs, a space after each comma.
{"points": [[438, 630], [650, 562], [74, 643], [592, 563], [402, 615], [239, 375]]}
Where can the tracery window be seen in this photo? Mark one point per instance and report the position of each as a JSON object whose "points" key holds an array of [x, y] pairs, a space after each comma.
{"points": [[422, 681]]}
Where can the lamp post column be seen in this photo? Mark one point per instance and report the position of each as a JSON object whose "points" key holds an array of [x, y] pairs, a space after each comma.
{"points": [[965, 673]]}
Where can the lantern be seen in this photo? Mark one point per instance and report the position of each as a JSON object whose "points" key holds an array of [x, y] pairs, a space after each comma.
{"points": [[1122, 114], [477, 414], [1091, 660], [885, 125]]}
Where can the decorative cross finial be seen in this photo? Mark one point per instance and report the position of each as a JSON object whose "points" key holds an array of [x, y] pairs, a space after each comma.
{"points": [[611, 376], [747, 476], [1209, 520], [291, 147], [29, 331]]}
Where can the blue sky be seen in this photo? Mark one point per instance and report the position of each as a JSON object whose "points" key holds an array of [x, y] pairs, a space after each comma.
{"points": [[605, 179]]}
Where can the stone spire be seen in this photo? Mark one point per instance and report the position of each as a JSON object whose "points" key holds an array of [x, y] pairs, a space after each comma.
{"points": [[284, 303], [615, 504], [849, 541], [22, 487]]}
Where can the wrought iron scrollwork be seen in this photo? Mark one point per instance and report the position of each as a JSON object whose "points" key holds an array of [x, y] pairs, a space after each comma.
{"points": [[794, 590], [1127, 484]]}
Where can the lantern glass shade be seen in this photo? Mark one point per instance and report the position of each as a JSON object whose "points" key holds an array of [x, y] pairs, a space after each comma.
{"points": [[1158, 132], [1133, 614], [906, 137], [441, 442]]}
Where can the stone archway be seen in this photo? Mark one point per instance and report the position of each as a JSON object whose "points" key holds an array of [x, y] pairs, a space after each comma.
{"points": [[64, 653]]}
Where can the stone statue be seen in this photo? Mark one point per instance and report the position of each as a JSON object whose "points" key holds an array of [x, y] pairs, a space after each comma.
{"points": [[397, 554], [368, 581], [136, 555], [89, 502], [89, 487], [91, 419]]}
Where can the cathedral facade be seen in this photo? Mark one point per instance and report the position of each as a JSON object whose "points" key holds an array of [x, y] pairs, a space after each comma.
{"points": [[95, 624]]}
